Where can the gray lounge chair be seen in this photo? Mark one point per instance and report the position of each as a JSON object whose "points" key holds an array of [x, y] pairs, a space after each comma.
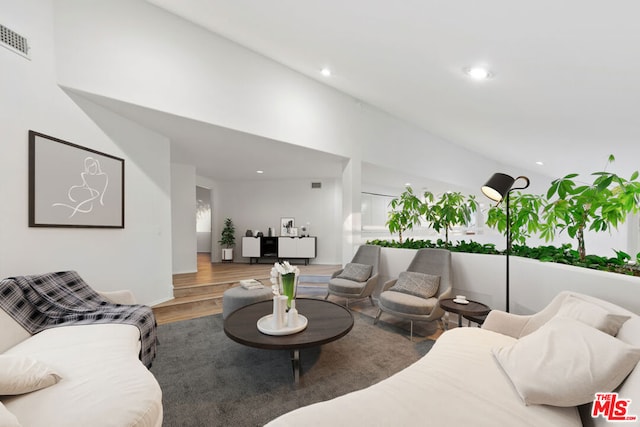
{"points": [[357, 287], [434, 262]]}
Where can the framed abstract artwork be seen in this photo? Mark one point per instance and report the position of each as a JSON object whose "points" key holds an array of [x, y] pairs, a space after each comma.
{"points": [[73, 186], [286, 226]]}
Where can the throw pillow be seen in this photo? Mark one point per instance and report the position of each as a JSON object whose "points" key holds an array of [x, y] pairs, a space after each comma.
{"points": [[356, 272], [7, 419], [565, 362], [417, 284], [23, 374], [592, 315]]}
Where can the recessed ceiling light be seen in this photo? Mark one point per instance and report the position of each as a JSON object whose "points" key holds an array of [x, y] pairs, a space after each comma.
{"points": [[326, 72], [407, 184], [478, 73], [539, 163], [259, 171]]}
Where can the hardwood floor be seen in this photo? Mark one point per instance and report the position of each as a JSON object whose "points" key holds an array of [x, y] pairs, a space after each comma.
{"points": [[200, 294]]}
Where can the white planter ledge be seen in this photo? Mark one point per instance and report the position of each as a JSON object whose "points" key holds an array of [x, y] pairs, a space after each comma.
{"points": [[532, 283]]}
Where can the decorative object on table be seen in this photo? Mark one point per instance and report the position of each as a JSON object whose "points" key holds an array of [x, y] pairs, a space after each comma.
{"points": [[461, 299], [281, 322], [251, 284], [248, 233], [292, 315], [271, 232], [284, 278], [73, 186], [279, 316], [286, 224], [228, 240], [303, 231], [259, 234], [497, 189]]}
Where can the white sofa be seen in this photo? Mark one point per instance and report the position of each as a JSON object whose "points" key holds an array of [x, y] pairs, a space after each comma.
{"points": [[461, 382], [102, 381]]}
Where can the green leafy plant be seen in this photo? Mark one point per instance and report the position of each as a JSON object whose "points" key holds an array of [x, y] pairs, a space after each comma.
{"points": [[564, 254], [524, 215], [228, 236], [451, 209], [406, 212], [598, 206]]}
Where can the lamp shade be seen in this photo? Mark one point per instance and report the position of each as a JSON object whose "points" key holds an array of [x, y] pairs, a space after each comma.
{"points": [[498, 186]]}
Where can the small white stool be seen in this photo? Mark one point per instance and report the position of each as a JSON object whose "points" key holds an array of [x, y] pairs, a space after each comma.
{"points": [[237, 297]]}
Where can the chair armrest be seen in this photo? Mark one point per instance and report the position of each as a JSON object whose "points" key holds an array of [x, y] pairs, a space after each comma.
{"points": [[337, 273], [370, 285], [124, 297], [506, 323], [388, 284]]}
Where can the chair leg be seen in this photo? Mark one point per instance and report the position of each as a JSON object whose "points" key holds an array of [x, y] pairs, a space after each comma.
{"points": [[371, 299], [377, 316], [327, 295], [411, 331]]}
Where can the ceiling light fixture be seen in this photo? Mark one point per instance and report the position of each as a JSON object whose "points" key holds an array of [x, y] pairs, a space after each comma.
{"points": [[259, 171], [407, 184], [478, 73], [326, 72], [540, 163]]}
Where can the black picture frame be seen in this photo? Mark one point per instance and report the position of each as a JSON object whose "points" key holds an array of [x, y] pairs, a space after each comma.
{"points": [[73, 186]]}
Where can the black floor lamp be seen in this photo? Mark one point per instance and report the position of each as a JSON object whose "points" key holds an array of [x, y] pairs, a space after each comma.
{"points": [[498, 188]]}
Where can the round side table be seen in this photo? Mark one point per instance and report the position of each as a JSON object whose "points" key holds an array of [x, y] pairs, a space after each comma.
{"points": [[473, 308]]}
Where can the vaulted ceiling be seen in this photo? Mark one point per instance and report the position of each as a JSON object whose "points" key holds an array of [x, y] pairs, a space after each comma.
{"points": [[563, 88]]}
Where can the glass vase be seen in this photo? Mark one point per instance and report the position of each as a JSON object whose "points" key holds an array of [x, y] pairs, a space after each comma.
{"points": [[288, 286]]}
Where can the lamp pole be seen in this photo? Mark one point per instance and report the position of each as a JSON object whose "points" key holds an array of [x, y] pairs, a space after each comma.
{"points": [[508, 248], [498, 188]]}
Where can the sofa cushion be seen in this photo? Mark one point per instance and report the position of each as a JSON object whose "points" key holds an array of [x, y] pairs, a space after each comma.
{"points": [[101, 374], [346, 286], [457, 383], [592, 315], [406, 303], [418, 284], [356, 272], [23, 374], [7, 419], [565, 362]]}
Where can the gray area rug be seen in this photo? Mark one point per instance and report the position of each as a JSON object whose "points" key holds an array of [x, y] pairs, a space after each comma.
{"points": [[209, 380]]}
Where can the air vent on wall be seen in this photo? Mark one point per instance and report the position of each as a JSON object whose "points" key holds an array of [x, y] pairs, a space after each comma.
{"points": [[14, 41], [316, 185]]}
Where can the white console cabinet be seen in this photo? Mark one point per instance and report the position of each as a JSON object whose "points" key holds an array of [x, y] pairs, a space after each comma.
{"points": [[251, 247], [283, 248], [297, 247]]}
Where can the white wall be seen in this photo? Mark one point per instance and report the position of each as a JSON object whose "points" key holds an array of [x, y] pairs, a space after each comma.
{"points": [[137, 257], [203, 219], [532, 283], [127, 49], [258, 205], [183, 219]]}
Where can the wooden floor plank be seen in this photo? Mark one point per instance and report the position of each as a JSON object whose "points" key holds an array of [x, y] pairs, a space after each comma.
{"points": [[200, 294]]}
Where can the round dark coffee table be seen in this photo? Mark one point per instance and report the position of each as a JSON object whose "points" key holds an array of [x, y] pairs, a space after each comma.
{"points": [[327, 322], [474, 308]]}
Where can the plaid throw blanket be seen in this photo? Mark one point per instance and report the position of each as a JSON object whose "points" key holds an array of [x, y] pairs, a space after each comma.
{"points": [[49, 300]]}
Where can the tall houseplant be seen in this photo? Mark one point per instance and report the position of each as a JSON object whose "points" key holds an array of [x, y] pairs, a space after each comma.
{"points": [[524, 216], [451, 209], [228, 239], [598, 206], [406, 212]]}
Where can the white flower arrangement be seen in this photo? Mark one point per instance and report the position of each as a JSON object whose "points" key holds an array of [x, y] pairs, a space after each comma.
{"points": [[281, 269]]}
